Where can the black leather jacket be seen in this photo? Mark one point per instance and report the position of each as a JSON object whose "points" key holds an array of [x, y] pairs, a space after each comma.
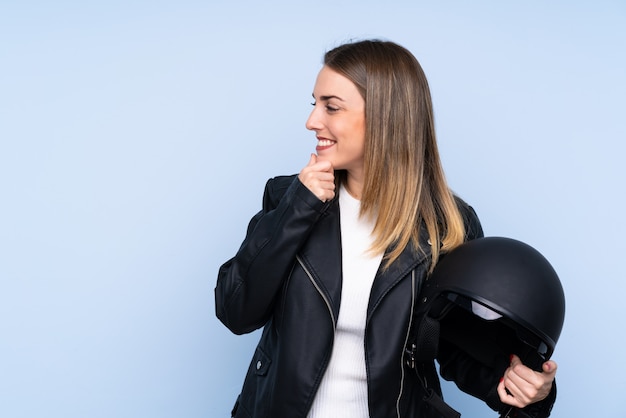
{"points": [[286, 277]]}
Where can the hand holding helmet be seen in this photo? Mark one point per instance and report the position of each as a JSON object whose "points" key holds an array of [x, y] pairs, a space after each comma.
{"points": [[521, 386]]}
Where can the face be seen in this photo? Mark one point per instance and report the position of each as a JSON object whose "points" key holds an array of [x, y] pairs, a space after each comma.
{"points": [[338, 119]]}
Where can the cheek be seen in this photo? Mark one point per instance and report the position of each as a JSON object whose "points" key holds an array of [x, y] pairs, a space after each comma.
{"points": [[358, 134]]}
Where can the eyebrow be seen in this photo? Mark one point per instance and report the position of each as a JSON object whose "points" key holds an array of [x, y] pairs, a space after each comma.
{"points": [[327, 98]]}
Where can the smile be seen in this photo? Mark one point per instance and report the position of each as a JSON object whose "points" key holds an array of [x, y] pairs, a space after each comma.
{"points": [[325, 142]]}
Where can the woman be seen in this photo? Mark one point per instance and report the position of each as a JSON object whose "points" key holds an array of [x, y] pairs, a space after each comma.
{"points": [[332, 265]]}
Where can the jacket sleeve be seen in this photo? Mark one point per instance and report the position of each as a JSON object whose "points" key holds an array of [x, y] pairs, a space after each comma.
{"points": [[248, 283], [472, 376]]}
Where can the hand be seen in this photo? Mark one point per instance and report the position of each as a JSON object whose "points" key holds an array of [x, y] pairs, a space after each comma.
{"points": [[520, 386], [319, 178]]}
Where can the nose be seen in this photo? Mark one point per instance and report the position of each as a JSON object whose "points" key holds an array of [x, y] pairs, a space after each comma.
{"points": [[313, 123]]}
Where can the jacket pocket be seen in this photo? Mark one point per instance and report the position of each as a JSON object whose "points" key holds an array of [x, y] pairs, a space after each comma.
{"points": [[261, 362], [255, 397]]}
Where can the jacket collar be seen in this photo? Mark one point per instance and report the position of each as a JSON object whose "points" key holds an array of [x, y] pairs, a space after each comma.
{"points": [[322, 255], [385, 279]]}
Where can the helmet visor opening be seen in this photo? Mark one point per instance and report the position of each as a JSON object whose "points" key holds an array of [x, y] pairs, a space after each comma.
{"points": [[487, 335]]}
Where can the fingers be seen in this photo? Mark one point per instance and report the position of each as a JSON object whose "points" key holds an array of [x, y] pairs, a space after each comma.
{"points": [[312, 160], [521, 386], [549, 367], [507, 397], [319, 178]]}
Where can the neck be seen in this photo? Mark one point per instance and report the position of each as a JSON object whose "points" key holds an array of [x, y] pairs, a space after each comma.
{"points": [[354, 186]]}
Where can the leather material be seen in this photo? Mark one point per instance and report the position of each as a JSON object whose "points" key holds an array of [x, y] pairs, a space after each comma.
{"points": [[286, 278]]}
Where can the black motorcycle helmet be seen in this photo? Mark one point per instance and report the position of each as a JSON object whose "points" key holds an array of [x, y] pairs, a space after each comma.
{"points": [[492, 297]]}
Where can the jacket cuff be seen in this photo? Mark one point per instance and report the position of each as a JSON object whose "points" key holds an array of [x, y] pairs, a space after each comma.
{"points": [[541, 409], [299, 191]]}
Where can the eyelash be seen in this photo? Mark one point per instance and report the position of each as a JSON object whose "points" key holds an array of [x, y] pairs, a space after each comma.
{"points": [[328, 107]]}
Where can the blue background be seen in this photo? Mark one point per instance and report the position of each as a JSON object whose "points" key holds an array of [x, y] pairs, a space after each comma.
{"points": [[136, 137]]}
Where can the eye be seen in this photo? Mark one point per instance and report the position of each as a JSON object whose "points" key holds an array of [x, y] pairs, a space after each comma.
{"points": [[329, 108]]}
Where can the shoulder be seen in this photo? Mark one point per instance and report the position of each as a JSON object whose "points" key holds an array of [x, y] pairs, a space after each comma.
{"points": [[289, 190], [276, 187], [473, 228]]}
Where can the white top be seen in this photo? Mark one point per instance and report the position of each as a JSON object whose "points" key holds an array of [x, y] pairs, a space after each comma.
{"points": [[343, 390]]}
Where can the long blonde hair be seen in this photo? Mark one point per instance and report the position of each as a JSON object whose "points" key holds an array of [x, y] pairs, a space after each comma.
{"points": [[405, 185]]}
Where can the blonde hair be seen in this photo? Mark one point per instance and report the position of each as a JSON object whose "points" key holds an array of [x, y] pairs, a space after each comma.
{"points": [[405, 187]]}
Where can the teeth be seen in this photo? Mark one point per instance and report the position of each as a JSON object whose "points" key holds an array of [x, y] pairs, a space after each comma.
{"points": [[324, 142]]}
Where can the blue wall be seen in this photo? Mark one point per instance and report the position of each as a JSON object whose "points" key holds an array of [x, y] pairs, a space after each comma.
{"points": [[136, 137]]}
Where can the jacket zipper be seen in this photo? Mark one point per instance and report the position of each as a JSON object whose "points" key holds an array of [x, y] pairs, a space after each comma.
{"points": [[330, 311], [308, 273], [406, 340]]}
